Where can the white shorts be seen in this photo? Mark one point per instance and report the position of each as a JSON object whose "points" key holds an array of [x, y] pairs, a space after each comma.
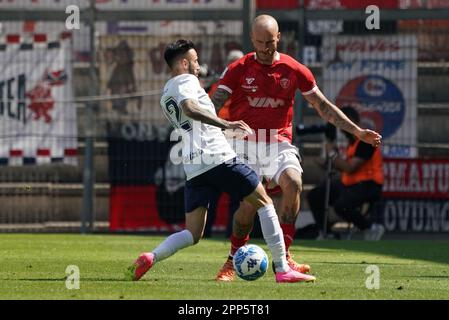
{"points": [[269, 160]]}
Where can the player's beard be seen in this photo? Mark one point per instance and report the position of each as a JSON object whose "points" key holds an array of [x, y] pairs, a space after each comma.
{"points": [[266, 56], [192, 70]]}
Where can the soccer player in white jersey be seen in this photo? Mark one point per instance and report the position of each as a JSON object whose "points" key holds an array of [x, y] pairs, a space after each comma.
{"points": [[210, 165]]}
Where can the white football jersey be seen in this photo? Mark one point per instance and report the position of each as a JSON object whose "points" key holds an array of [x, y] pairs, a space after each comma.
{"points": [[203, 146]]}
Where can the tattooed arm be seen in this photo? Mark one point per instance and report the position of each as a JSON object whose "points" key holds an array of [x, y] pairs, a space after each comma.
{"points": [[331, 113], [334, 115], [192, 110], [219, 98]]}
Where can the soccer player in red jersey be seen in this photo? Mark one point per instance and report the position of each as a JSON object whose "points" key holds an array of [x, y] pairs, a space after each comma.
{"points": [[262, 86]]}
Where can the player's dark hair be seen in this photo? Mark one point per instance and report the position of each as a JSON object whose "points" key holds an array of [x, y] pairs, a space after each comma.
{"points": [[176, 50], [351, 113]]}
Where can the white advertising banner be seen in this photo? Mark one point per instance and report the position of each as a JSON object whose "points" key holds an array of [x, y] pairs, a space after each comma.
{"points": [[377, 75], [37, 113]]}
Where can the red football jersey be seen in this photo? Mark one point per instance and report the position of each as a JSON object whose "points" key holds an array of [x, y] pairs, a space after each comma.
{"points": [[263, 95]]}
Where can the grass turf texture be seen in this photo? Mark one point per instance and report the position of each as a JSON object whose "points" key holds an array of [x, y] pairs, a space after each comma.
{"points": [[33, 267]]}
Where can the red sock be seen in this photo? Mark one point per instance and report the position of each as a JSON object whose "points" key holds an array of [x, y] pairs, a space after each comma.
{"points": [[289, 233], [237, 243]]}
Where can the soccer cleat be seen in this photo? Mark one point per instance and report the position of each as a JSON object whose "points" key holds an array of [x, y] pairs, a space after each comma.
{"points": [[227, 272], [293, 276], [302, 268], [140, 266]]}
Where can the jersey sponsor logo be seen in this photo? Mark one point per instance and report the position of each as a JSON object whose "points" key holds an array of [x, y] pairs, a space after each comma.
{"points": [[265, 102], [250, 88], [247, 84], [250, 80], [192, 155]]}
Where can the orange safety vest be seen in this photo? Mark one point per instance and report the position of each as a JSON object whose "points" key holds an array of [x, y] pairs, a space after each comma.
{"points": [[371, 169]]}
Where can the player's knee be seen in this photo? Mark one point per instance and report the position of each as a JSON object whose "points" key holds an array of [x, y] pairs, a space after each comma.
{"points": [[265, 200], [292, 186], [259, 198]]}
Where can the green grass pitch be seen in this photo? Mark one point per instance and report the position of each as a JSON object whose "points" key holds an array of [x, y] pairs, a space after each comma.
{"points": [[33, 266]]}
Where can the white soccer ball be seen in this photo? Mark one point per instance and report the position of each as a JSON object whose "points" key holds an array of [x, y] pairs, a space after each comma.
{"points": [[250, 262]]}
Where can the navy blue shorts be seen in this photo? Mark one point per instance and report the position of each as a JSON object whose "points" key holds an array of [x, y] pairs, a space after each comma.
{"points": [[233, 177]]}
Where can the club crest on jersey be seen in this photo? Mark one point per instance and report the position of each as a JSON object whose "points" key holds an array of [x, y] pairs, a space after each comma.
{"points": [[285, 83], [247, 84]]}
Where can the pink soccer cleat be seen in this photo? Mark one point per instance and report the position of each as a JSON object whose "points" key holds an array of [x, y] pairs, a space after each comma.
{"points": [[138, 269], [293, 276], [302, 268]]}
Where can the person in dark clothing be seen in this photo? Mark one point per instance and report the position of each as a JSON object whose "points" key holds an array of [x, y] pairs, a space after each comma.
{"points": [[360, 182]]}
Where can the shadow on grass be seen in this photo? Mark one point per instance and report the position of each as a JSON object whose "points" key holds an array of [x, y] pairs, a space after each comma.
{"points": [[100, 279], [426, 250], [360, 263], [429, 276]]}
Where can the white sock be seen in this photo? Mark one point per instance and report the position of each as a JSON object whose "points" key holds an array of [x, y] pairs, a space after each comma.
{"points": [[172, 244], [273, 236]]}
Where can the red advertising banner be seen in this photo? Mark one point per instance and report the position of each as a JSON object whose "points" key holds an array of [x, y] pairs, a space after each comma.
{"points": [[136, 208], [277, 4], [416, 178], [416, 195]]}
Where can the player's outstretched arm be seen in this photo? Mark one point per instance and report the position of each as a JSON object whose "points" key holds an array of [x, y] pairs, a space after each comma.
{"points": [[193, 111], [334, 115], [219, 98]]}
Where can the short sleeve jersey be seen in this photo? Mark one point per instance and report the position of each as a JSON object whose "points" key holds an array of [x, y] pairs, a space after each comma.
{"points": [[203, 146], [263, 95]]}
